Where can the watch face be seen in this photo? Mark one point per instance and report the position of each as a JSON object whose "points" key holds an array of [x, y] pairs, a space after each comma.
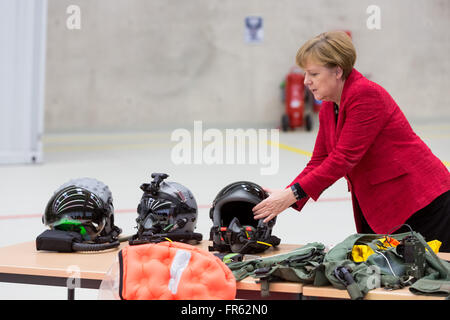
{"points": [[294, 191], [298, 191]]}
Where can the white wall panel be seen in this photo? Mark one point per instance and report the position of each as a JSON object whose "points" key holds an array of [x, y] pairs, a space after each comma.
{"points": [[22, 76]]}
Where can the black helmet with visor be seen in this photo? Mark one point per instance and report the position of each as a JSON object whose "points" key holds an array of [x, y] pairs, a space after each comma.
{"points": [[234, 226]]}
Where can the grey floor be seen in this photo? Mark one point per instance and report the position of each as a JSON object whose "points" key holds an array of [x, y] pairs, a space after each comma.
{"points": [[125, 160]]}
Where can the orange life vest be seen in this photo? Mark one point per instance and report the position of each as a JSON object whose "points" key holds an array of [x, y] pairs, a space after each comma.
{"points": [[173, 271]]}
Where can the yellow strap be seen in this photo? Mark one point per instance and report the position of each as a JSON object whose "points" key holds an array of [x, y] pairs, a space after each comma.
{"points": [[267, 244]]}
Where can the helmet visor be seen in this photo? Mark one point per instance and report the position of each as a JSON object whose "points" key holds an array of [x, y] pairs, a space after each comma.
{"points": [[159, 214], [160, 218], [73, 208]]}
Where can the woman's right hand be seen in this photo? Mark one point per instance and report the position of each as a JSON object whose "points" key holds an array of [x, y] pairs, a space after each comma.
{"points": [[277, 202]]}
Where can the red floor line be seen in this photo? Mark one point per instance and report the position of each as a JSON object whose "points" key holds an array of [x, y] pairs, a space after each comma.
{"points": [[201, 206], [20, 216]]}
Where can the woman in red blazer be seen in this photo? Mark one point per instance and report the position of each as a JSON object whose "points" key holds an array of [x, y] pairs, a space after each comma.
{"points": [[394, 178]]}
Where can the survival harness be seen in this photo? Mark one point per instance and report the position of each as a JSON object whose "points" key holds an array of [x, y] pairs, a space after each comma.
{"points": [[298, 265], [411, 263]]}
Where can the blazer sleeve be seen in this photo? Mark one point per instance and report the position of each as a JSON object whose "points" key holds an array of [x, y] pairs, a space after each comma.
{"points": [[319, 154], [366, 114]]}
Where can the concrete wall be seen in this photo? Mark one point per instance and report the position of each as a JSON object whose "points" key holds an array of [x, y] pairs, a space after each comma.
{"points": [[154, 64]]}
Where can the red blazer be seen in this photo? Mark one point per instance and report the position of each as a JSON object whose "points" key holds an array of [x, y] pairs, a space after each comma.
{"points": [[390, 171]]}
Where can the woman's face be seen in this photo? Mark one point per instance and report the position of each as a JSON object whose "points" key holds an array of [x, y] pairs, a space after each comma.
{"points": [[325, 83]]}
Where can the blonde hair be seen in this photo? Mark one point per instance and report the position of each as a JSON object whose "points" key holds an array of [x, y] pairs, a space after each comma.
{"points": [[330, 49]]}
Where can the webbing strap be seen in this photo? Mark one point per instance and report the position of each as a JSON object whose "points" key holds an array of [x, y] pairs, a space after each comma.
{"points": [[443, 271], [354, 291], [264, 287]]}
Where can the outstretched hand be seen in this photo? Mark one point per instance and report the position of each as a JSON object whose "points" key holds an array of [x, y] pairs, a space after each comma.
{"points": [[277, 202]]}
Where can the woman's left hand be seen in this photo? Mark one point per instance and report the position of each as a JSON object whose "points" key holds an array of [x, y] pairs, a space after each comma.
{"points": [[277, 202]]}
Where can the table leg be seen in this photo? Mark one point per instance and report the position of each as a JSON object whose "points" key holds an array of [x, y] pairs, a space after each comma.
{"points": [[70, 293]]}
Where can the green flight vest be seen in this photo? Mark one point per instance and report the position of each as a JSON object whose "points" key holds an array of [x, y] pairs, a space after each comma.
{"points": [[298, 265], [385, 268]]}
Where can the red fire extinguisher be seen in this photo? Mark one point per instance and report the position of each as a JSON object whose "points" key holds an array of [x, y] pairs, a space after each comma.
{"points": [[298, 101]]}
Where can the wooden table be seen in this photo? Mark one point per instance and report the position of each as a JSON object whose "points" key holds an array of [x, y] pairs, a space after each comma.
{"points": [[330, 292], [22, 263]]}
